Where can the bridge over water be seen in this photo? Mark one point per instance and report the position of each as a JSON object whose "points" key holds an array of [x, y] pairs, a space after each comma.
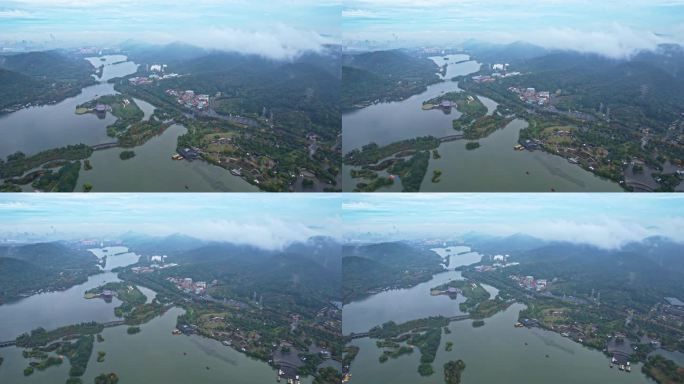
{"points": [[104, 146]]}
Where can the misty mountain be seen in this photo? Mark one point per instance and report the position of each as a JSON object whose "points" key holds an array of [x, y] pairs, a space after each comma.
{"points": [[160, 245], [503, 53], [143, 53], [638, 274], [492, 245], [642, 91], [302, 277], [48, 65]]}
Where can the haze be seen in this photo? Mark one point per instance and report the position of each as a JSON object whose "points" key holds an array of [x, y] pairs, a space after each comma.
{"points": [[614, 28], [264, 221], [275, 29], [604, 220]]}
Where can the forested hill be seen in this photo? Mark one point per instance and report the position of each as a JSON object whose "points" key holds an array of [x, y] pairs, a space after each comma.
{"points": [[49, 266], [368, 268], [385, 75], [41, 77], [636, 275]]}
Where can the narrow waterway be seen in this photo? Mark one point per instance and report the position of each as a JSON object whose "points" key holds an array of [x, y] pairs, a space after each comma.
{"points": [[55, 309], [385, 123], [38, 128], [495, 166], [401, 305]]}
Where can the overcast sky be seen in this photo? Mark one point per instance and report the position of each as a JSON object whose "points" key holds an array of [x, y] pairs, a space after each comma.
{"points": [[615, 28], [269, 221], [601, 219], [273, 28]]}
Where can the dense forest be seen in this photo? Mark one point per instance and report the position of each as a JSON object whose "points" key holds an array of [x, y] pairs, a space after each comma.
{"points": [[367, 268], [384, 75], [41, 77], [47, 266]]}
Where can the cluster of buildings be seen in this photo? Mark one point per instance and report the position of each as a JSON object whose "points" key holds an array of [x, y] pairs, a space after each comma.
{"points": [[189, 99], [530, 283], [156, 263], [500, 71], [531, 96], [158, 72], [498, 261], [186, 285]]}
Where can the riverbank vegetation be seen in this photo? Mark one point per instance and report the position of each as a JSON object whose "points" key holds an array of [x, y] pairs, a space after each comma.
{"points": [[411, 171], [410, 163], [663, 371], [125, 155], [436, 174], [129, 294], [372, 153], [18, 163], [395, 352], [110, 378], [471, 145], [132, 330], [63, 180], [468, 104], [40, 337], [453, 371], [78, 353], [122, 107]]}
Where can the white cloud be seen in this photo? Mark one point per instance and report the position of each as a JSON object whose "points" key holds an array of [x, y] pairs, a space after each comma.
{"points": [[15, 14]]}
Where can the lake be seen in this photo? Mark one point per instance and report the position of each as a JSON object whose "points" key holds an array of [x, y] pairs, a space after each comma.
{"points": [[495, 166], [152, 356], [494, 353], [38, 128], [153, 170]]}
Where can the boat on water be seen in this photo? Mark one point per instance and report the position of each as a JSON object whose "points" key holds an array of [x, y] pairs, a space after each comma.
{"points": [[236, 172]]}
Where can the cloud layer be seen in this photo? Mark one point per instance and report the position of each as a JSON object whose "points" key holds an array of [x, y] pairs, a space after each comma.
{"points": [[612, 28], [606, 221], [264, 221], [279, 29]]}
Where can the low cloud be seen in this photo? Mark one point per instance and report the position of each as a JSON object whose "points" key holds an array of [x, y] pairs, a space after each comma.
{"points": [[613, 41]]}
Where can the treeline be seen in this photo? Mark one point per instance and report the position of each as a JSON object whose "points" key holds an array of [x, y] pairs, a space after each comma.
{"points": [[372, 153]]}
